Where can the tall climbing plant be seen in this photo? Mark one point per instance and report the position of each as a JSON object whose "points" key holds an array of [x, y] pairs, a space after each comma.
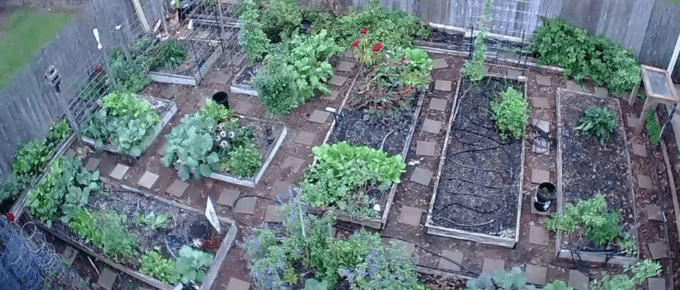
{"points": [[473, 69]]}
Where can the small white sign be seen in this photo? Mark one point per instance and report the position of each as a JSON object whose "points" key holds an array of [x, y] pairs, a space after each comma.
{"points": [[212, 216]]}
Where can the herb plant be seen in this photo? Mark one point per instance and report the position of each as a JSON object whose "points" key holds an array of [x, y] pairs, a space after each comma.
{"points": [[151, 220], [510, 114], [171, 53], [631, 278], [129, 76], [191, 264], [276, 87], [155, 265], [244, 161], [598, 123], [143, 51], [653, 128], [11, 189], [252, 38], [343, 175]]}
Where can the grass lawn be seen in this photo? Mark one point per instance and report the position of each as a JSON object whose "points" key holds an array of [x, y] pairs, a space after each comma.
{"points": [[22, 33]]}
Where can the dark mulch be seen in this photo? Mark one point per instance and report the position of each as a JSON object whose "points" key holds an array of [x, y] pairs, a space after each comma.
{"points": [[479, 185], [246, 76]]}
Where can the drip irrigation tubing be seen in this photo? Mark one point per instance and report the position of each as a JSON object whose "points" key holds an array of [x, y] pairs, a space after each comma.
{"points": [[475, 183], [465, 225], [477, 168], [469, 208]]}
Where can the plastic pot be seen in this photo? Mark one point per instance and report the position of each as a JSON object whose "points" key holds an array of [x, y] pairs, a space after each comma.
{"points": [[543, 200], [221, 98]]}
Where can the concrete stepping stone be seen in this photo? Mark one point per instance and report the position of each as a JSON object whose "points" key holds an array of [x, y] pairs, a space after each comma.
{"points": [[70, 153], [654, 212], [334, 95], [491, 265], [514, 74], [345, 66], [236, 284], [119, 171], [536, 274], [243, 108], [337, 80], [422, 176], [349, 53], [631, 121], [169, 91], [432, 126], [246, 205], [541, 103], [273, 214], [426, 148], [539, 176], [645, 182], [319, 116], [543, 125], [92, 164], [410, 215], [293, 163], [656, 284], [601, 92], [69, 255], [538, 235], [578, 280], [542, 80], [280, 189], [406, 246], [456, 256], [573, 86], [304, 137], [148, 179], [438, 104], [177, 188], [228, 197], [439, 63], [639, 149], [107, 278], [221, 78], [442, 85], [658, 250]]}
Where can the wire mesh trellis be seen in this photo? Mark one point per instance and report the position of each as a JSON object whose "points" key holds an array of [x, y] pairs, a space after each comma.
{"points": [[28, 262]]}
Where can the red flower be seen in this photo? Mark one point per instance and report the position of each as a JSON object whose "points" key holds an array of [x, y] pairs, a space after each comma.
{"points": [[10, 217], [377, 46], [354, 44], [362, 31]]}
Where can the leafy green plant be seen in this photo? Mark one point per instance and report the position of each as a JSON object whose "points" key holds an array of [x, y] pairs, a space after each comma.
{"points": [[276, 87], [189, 147], [653, 128], [58, 131], [510, 113], [281, 16], [107, 231], [513, 279], [558, 43], [367, 52], [598, 123], [143, 51], [97, 85], [244, 161], [474, 69], [30, 158], [11, 189], [343, 174], [171, 53], [191, 264], [155, 265], [129, 76], [407, 67], [631, 278], [251, 38], [557, 285], [151, 220], [313, 284]]}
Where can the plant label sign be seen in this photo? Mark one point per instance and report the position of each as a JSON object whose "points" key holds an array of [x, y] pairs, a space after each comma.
{"points": [[212, 216]]}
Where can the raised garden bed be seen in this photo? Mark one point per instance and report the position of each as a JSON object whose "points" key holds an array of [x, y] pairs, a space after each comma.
{"points": [[477, 193], [585, 168], [200, 58], [185, 225], [241, 83], [165, 110]]}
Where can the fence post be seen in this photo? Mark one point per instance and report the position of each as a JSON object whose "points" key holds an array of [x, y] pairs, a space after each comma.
{"points": [[52, 75], [141, 15]]}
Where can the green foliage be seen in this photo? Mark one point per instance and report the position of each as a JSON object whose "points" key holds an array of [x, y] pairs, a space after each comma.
{"points": [[97, 85], [557, 285], [58, 131], [598, 123], [143, 51], [11, 189], [251, 38], [364, 52], [599, 224], [65, 188], [281, 16], [30, 158], [558, 43], [408, 67], [124, 120], [474, 69], [191, 264], [515, 279], [106, 230], [244, 161], [653, 128], [151, 220], [361, 260], [343, 174], [171, 53], [155, 265], [631, 278], [129, 76], [276, 87], [510, 113], [189, 147]]}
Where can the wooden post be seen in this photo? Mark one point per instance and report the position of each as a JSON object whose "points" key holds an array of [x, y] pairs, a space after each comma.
{"points": [[648, 103], [141, 15], [633, 93], [162, 15]]}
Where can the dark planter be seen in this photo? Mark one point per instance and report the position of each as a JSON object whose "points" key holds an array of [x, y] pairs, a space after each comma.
{"points": [[542, 200], [221, 98]]}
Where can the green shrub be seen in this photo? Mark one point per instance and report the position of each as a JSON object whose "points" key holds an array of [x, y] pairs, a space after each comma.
{"points": [[129, 76], [30, 159], [58, 131], [143, 51], [282, 16], [409, 67], [558, 43], [653, 128], [251, 38], [171, 53], [155, 265], [510, 113], [11, 189], [276, 87], [244, 161], [343, 173], [191, 264], [598, 123]]}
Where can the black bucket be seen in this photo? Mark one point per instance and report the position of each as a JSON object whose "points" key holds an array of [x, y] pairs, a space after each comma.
{"points": [[542, 201], [221, 98]]}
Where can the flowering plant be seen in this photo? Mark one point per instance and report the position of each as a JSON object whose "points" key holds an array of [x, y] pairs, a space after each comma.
{"points": [[366, 52], [10, 217]]}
